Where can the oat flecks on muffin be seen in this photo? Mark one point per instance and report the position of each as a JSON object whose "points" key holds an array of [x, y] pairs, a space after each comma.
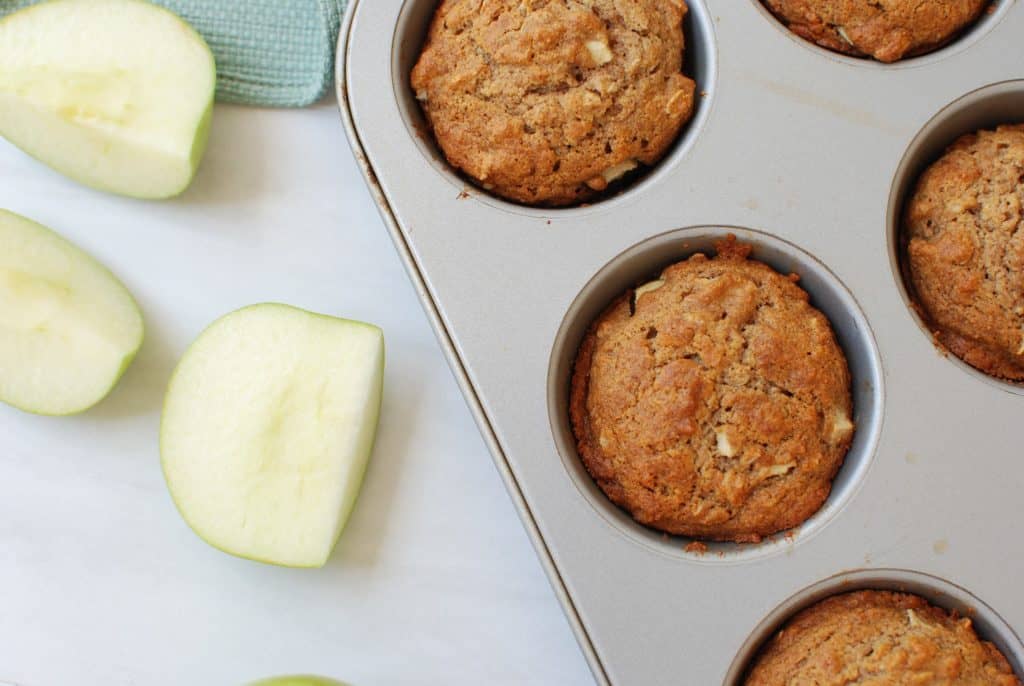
{"points": [[964, 234], [715, 401], [547, 102], [879, 638], [887, 30]]}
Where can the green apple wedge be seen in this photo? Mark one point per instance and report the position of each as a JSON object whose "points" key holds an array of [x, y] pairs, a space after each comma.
{"points": [[298, 680], [68, 327], [116, 94], [267, 429]]}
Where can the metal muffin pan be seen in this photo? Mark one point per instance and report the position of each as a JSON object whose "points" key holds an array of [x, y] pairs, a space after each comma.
{"points": [[810, 154]]}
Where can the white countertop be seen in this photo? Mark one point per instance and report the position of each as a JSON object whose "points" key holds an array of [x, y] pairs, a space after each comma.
{"points": [[433, 581]]}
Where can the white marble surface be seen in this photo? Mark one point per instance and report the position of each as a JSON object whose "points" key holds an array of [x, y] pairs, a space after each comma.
{"points": [[433, 582]]}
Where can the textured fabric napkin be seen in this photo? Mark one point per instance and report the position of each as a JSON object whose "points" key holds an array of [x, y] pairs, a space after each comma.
{"points": [[269, 52]]}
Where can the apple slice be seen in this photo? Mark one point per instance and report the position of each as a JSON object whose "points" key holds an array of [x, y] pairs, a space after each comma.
{"points": [[68, 328], [267, 428], [298, 680], [116, 94]]}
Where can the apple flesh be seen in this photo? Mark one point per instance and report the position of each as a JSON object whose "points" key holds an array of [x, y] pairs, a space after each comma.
{"points": [[267, 428], [68, 327], [298, 680], [116, 94]]}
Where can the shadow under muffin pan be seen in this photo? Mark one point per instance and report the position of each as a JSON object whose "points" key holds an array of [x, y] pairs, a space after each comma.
{"points": [[985, 108], [939, 592], [962, 41], [699, 63], [644, 262], [800, 148]]}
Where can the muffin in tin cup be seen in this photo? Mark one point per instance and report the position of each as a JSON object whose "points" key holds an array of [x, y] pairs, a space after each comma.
{"points": [[713, 402], [964, 249], [887, 31], [554, 103]]}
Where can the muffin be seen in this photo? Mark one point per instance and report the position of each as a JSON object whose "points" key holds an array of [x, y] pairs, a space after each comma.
{"points": [[879, 637], [713, 402], [888, 30], [964, 242], [547, 102]]}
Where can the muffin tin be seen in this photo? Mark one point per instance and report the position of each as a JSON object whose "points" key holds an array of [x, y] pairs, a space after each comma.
{"points": [[806, 155]]}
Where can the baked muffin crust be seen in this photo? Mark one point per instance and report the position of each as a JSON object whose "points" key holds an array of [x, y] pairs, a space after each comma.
{"points": [[887, 30], [547, 102], [879, 638], [713, 402], [964, 236]]}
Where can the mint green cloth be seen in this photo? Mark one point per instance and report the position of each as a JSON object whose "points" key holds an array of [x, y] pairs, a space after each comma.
{"points": [[277, 53]]}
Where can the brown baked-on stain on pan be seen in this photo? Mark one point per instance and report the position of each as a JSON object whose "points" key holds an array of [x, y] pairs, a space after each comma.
{"points": [[879, 637], [887, 31], [962, 245], [549, 102], [713, 402]]}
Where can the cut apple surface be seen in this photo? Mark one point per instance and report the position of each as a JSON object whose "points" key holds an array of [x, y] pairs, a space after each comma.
{"points": [[298, 680], [267, 428], [68, 328], [116, 94]]}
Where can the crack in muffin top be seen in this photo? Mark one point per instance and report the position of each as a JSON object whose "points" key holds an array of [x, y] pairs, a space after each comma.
{"points": [[872, 638], [964, 235], [547, 102], [887, 30], [715, 401]]}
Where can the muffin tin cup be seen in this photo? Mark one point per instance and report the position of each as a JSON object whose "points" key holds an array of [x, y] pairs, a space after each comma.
{"points": [[801, 147], [644, 262], [939, 592], [962, 41], [984, 108], [700, 64]]}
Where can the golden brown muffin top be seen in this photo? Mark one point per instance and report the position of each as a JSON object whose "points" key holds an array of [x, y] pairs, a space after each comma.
{"points": [[964, 228], [879, 638], [546, 102], [713, 402], [887, 30]]}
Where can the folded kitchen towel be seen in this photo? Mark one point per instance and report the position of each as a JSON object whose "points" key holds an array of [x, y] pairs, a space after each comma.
{"points": [[277, 53]]}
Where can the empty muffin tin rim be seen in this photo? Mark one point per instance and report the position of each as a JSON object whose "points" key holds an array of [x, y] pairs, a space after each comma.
{"points": [[962, 41], [988, 623], [701, 47], [860, 349]]}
